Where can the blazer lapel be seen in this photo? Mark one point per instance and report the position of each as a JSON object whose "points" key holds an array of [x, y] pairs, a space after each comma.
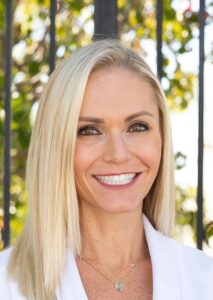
{"points": [[166, 282]]}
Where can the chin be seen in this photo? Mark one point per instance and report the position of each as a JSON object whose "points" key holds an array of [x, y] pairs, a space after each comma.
{"points": [[119, 209]]}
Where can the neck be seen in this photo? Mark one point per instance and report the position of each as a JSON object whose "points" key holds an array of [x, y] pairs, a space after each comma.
{"points": [[116, 240]]}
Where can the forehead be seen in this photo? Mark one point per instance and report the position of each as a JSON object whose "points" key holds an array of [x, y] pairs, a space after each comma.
{"points": [[117, 91]]}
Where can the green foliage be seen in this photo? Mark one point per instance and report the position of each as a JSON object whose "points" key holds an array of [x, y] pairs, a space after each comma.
{"points": [[30, 73], [136, 22], [185, 210]]}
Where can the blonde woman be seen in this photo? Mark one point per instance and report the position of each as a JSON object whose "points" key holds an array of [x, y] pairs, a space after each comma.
{"points": [[100, 183]]}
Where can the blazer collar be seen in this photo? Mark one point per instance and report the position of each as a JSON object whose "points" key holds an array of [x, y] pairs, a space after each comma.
{"points": [[166, 281]]}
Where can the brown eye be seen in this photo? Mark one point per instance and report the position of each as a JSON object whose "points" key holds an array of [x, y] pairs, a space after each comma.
{"points": [[88, 130], [138, 127]]}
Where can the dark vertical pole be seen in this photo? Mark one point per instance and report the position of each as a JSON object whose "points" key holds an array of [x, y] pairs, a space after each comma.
{"points": [[159, 38], [200, 127], [105, 19], [8, 65], [53, 5]]}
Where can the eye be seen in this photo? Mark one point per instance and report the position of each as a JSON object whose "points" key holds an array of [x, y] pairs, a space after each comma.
{"points": [[88, 130], [138, 127]]}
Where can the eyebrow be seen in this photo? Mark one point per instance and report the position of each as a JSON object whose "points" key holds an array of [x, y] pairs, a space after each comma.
{"points": [[127, 119], [138, 114]]}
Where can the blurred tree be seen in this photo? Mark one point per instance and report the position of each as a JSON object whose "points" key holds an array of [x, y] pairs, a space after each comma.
{"points": [[74, 28]]}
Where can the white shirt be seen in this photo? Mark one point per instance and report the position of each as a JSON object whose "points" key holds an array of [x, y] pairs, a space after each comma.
{"points": [[179, 272]]}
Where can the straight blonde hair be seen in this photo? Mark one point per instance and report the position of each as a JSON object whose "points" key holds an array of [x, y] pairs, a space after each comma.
{"points": [[38, 258]]}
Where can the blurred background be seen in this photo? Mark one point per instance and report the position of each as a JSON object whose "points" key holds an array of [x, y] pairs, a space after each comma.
{"points": [[137, 26]]}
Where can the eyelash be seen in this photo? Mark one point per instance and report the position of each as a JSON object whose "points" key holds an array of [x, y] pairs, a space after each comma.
{"points": [[83, 131], [86, 128], [140, 124]]}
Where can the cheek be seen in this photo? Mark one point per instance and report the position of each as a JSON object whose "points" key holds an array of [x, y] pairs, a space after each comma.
{"points": [[155, 153], [151, 152], [81, 157], [84, 158], [81, 163]]}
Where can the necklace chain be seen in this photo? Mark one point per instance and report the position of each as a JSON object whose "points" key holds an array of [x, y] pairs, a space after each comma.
{"points": [[118, 284]]}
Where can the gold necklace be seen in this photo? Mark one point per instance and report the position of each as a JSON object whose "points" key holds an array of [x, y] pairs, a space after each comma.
{"points": [[118, 284]]}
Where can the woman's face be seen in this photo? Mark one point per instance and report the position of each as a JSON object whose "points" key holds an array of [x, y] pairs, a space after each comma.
{"points": [[118, 149]]}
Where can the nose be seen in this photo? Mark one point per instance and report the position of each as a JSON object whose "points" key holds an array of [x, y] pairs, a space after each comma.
{"points": [[116, 150]]}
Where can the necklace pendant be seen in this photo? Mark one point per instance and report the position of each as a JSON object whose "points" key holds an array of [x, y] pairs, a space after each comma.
{"points": [[119, 286]]}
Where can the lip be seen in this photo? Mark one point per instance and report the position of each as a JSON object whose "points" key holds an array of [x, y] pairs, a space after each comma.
{"points": [[115, 174], [118, 187]]}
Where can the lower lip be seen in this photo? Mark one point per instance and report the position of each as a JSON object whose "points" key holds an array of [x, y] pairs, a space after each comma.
{"points": [[119, 186]]}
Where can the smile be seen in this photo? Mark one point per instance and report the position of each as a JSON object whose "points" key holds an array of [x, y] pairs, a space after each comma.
{"points": [[121, 179]]}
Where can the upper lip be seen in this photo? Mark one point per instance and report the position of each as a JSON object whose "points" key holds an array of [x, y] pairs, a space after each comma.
{"points": [[116, 174]]}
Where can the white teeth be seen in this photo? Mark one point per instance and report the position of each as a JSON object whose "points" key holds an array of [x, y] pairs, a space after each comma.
{"points": [[117, 179]]}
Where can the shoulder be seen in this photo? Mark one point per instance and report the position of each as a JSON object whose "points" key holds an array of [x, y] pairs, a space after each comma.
{"points": [[195, 270], [188, 256], [4, 260], [185, 255], [4, 279], [196, 259], [9, 288], [188, 270], [4, 257]]}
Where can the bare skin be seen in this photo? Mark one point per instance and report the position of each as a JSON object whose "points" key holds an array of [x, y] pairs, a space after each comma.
{"points": [[110, 216], [139, 285], [100, 241]]}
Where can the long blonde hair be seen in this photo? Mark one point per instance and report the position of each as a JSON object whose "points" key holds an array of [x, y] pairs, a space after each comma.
{"points": [[52, 225]]}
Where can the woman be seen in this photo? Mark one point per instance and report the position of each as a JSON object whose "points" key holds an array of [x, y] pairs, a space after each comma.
{"points": [[100, 155]]}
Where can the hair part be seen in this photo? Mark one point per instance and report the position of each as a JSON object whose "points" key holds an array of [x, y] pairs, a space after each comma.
{"points": [[38, 258]]}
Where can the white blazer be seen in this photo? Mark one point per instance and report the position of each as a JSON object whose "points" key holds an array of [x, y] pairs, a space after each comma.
{"points": [[179, 272]]}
